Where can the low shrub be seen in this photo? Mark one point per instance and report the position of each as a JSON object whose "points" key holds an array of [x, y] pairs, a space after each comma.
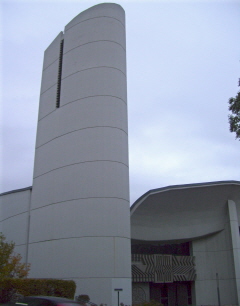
{"points": [[31, 286]]}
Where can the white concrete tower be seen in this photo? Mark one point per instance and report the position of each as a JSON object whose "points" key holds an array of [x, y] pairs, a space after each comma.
{"points": [[80, 219]]}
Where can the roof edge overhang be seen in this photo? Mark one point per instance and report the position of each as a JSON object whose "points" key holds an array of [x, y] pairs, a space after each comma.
{"points": [[181, 187], [173, 241], [16, 190]]}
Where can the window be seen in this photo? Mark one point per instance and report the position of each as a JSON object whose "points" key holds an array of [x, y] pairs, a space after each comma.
{"points": [[59, 75]]}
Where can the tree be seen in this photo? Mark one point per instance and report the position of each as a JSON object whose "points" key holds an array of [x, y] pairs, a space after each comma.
{"points": [[234, 119], [10, 262]]}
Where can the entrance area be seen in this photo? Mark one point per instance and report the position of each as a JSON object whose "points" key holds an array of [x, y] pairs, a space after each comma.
{"points": [[171, 294]]}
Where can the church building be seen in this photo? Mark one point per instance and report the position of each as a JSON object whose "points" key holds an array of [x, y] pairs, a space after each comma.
{"points": [[178, 245]]}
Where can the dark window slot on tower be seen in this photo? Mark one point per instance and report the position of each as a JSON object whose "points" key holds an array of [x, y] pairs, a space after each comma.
{"points": [[59, 75]]}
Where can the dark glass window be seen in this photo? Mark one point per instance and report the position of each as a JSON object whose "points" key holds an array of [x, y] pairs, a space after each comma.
{"points": [[59, 75], [166, 249]]}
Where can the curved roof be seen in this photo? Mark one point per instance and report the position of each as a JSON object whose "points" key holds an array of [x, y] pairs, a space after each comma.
{"points": [[183, 212]]}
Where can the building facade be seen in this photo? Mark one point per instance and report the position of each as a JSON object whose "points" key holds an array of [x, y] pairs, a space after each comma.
{"points": [[186, 244], [79, 207], [178, 245]]}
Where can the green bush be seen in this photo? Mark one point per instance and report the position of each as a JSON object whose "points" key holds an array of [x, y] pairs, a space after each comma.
{"points": [[31, 286]]}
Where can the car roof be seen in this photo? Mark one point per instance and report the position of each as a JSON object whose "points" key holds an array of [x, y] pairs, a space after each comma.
{"points": [[54, 299]]}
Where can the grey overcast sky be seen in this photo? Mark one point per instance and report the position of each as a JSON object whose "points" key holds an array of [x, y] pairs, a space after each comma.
{"points": [[183, 66]]}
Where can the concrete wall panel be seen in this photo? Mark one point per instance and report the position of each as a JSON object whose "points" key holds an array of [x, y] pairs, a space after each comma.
{"points": [[51, 54], [98, 111], [106, 9], [93, 82], [80, 198], [93, 54], [49, 77], [83, 220], [207, 292], [67, 261], [87, 181], [14, 222], [87, 145], [213, 255], [15, 203], [48, 102], [16, 228], [105, 29], [238, 211], [122, 262]]}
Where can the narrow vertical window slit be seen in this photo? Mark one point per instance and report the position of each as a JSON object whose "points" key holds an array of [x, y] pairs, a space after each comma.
{"points": [[59, 75]]}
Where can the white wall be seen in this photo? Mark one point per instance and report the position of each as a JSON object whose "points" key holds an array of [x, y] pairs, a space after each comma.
{"points": [[214, 254], [14, 219], [80, 219]]}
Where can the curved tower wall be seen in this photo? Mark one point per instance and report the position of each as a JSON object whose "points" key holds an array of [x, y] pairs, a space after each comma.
{"points": [[80, 219]]}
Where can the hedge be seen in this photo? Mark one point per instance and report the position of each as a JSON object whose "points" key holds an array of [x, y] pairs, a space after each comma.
{"points": [[32, 286]]}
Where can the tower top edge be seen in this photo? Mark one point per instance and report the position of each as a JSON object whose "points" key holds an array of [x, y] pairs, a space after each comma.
{"points": [[107, 9]]}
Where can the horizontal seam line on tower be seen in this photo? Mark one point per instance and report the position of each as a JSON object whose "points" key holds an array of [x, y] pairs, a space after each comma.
{"points": [[91, 161], [56, 60], [14, 216], [55, 203], [93, 42], [91, 19], [77, 237], [90, 42], [79, 71], [90, 68], [94, 97], [79, 100], [86, 128], [48, 89], [47, 115]]}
